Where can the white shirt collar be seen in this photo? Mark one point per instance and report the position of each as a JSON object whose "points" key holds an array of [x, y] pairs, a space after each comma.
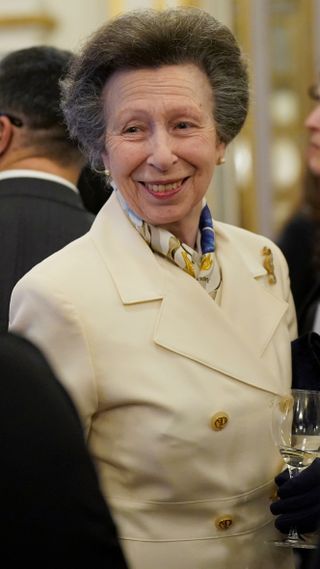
{"points": [[20, 173]]}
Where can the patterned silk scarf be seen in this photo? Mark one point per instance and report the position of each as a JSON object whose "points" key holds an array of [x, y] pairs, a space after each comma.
{"points": [[201, 265]]}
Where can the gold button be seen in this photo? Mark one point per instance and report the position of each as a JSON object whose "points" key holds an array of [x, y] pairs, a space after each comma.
{"points": [[219, 421], [224, 522]]}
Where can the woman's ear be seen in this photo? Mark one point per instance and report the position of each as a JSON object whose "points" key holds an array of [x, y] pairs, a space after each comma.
{"points": [[221, 149], [105, 160], [6, 133]]}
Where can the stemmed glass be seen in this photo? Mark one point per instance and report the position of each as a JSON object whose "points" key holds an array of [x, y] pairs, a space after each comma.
{"points": [[296, 432]]}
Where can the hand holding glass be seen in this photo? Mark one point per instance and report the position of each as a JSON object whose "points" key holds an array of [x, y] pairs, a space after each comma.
{"points": [[296, 432]]}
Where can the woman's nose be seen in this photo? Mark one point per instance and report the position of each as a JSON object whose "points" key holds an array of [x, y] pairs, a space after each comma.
{"points": [[313, 119], [162, 155]]}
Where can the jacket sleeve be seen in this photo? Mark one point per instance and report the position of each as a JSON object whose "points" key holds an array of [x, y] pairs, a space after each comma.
{"points": [[42, 314]]}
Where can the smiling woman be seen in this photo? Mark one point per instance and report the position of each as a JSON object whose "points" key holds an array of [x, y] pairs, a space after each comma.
{"points": [[161, 144], [163, 324]]}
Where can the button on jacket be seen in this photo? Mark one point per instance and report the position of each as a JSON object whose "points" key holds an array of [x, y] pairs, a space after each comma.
{"points": [[175, 390]]}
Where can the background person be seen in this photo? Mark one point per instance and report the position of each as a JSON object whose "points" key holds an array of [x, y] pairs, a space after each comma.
{"points": [[40, 207], [172, 333], [52, 510], [300, 238]]}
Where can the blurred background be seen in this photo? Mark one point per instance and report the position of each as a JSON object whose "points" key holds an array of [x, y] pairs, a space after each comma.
{"points": [[261, 183]]}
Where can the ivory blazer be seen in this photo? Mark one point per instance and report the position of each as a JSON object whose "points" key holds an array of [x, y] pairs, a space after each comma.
{"points": [[175, 390]]}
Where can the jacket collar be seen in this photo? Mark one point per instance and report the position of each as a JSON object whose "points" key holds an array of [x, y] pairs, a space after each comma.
{"points": [[232, 340], [38, 174]]}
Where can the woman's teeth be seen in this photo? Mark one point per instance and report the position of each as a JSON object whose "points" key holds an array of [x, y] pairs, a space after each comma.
{"points": [[163, 187]]}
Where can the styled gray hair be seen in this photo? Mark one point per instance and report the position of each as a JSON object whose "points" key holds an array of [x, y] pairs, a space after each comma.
{"points": [[151, 39]]}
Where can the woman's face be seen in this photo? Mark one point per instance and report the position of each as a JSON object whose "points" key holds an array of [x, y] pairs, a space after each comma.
{"points": [[161, 143], [313, 149]]}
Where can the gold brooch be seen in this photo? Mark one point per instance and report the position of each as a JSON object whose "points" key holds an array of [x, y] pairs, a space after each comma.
{"points": [[268, 264]]}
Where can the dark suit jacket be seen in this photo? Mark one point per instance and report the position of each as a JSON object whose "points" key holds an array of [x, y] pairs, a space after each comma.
{"points": [[37, 217], [297, 243], [307, 313], [52, 512]]}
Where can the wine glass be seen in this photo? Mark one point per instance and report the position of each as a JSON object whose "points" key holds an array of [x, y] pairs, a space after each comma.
{"points": [[296, 432]]}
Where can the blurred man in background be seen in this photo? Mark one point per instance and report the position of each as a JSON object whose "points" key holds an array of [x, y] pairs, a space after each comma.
{"points": [[40, 206]]}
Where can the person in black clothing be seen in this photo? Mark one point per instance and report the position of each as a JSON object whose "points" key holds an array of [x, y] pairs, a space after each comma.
{"points": [[300, 243], [52, 511], [300, 238]]}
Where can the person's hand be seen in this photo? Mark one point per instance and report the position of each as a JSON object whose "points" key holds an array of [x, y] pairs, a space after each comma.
{"points": [[298, 505]]}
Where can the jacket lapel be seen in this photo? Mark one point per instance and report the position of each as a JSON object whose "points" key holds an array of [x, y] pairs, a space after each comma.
{"points": [[245, 301], [227, 338], [134, 268]]}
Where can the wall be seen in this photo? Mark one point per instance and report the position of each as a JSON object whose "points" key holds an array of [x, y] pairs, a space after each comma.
{"points": [[63, 23]]}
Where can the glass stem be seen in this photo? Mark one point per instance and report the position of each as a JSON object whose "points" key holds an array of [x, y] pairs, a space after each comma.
{"points": [[293, 471], [293, 535]]}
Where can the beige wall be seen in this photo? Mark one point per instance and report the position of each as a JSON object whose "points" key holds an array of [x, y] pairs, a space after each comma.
{"points": [[76, 19], [25, 22]]}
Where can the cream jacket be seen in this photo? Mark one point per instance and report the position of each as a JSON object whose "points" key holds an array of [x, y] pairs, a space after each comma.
{"points": [[175, 390]]}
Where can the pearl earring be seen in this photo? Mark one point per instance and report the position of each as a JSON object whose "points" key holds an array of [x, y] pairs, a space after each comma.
{"points": [[221, 160]]}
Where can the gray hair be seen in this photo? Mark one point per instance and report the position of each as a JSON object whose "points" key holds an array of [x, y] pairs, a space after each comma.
{"points": [[151, 39]]}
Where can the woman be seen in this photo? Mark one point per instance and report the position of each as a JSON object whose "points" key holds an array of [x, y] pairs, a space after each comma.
{"points": [[300, 238], [171, 334]]}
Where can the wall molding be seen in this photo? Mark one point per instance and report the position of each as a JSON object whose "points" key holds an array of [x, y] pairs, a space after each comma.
{"points": [[25, 20]]}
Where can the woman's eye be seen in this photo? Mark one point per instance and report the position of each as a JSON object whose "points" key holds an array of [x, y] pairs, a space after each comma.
{"points": [[182, 125], [131, 129], [185, 125]]}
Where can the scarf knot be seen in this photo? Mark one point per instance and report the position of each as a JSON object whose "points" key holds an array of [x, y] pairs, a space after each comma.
{"points": [[202, 266]]}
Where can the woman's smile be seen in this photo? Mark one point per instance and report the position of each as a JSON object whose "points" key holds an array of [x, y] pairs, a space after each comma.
{"points": [[164, 190]]}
